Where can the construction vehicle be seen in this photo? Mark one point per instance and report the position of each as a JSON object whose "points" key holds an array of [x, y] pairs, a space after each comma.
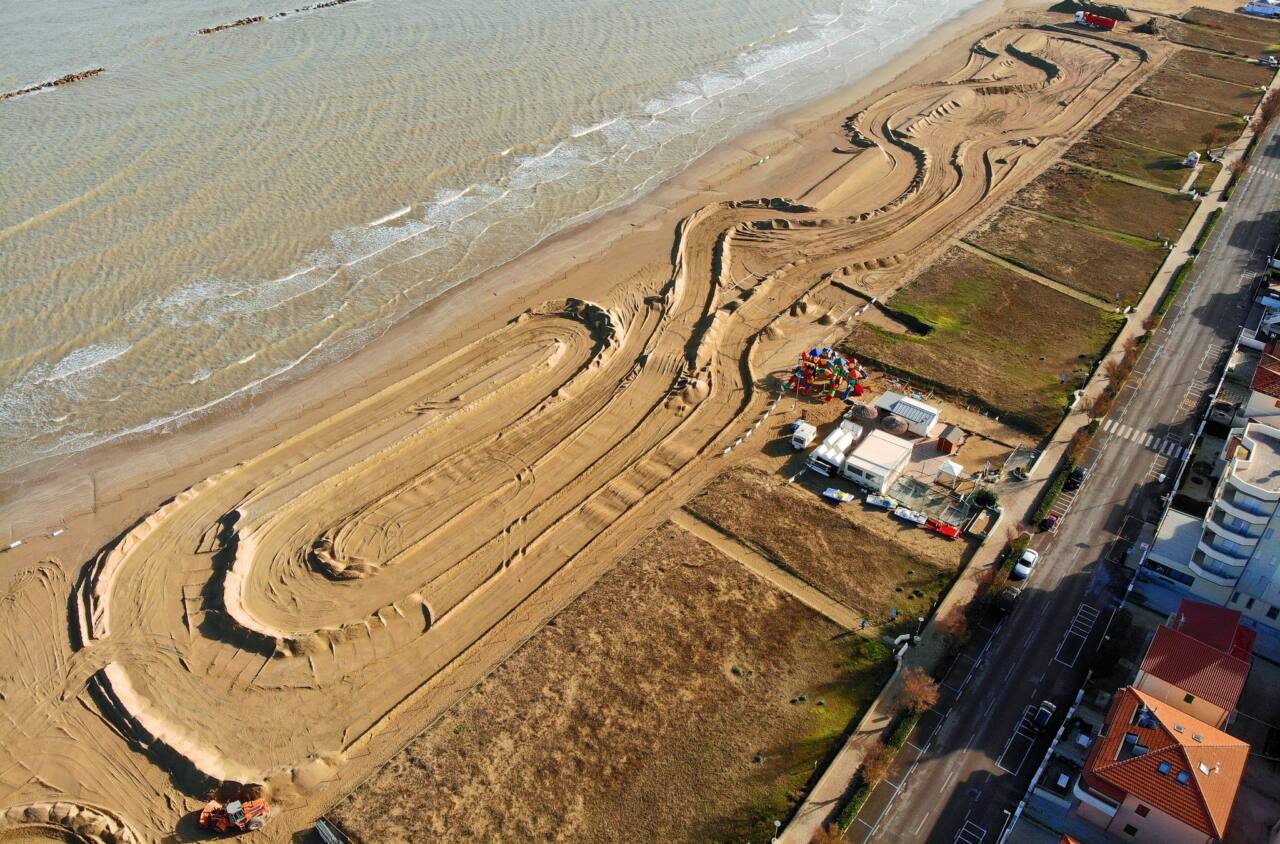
{"points": [[249, 813], [1095, 21]]}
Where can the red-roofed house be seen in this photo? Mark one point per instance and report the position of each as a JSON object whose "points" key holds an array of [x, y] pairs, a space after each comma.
{"points": [[1266, 383], [1157, 774], [1190, 675], [1216, 626]]}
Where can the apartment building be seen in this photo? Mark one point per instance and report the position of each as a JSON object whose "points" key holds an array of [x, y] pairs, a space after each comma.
{"points": [[1230, 555]]}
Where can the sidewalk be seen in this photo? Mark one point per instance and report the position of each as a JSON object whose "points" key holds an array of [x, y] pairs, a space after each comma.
{"points": [[827, 794]]}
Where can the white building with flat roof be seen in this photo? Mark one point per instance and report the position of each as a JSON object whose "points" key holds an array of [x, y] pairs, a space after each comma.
{"points": [[877, 461], [921, 418]]}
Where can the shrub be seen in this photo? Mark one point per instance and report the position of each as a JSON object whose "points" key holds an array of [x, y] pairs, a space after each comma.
{"points": [[1208, 229], [858, 799], [919, 690], [906, 723], [986, 497], [1051, 494], [1166, 301]]}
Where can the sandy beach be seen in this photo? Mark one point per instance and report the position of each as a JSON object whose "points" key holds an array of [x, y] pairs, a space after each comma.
{"points": [[290, 589]]}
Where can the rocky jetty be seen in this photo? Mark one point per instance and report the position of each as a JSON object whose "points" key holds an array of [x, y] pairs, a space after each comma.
{"points": [[55, 83], [209, 30]]}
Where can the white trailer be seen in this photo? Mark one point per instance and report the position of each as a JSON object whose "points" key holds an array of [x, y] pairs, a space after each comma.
{"points": [[828, 457], [802, 435]]}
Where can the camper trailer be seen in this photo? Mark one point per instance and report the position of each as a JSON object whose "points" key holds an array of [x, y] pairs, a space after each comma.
{"points": [[828, 457]]}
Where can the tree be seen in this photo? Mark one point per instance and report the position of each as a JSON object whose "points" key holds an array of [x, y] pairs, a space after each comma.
{"points": [[919, 690], [829, 834], [876, 766], [954, 626]]}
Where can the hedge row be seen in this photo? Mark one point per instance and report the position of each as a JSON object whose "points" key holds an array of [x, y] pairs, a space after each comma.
{"points": [[1052, 493], [1175, 286], [1207, 230]]}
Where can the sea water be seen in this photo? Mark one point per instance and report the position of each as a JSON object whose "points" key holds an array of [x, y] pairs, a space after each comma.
{"points": [[218, 213]]}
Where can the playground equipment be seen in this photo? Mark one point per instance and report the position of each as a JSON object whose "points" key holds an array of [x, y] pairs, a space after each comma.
{"points": [[824, 372]]}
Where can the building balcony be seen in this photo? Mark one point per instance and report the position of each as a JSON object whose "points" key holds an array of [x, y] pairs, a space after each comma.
{"points": [[1231, 534], [1242, 508], [1234, 557], [1215, 579], [1249, 489]]}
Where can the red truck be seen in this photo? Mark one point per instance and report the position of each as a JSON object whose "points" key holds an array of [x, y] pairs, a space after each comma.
{"points": [[1095, 21]]}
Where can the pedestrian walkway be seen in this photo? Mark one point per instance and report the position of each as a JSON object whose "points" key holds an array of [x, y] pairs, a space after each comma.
{"points": [[766, 569], [1167, 447]]}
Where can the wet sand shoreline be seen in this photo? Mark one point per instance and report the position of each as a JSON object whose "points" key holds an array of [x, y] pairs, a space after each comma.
{"points": [[96, 494]]}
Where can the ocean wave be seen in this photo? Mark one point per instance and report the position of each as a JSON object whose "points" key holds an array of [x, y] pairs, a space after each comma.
{"points": [[394, 215], [82, 360], [345, 290]]}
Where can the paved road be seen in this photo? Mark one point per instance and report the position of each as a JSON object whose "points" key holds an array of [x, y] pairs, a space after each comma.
{"points": [[971, 760]]}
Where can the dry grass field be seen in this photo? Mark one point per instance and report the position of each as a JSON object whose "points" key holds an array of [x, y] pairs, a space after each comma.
{"points": [[1220, 67], [1200, 92], [851, 554], [1218, 31], [996, 335], [1165, 126], [662, 705], [1248, 27], [1103, 265], [1138, 162], [1100, 201]]}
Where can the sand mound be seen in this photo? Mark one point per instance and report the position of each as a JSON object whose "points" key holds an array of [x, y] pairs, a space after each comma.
{"points": [[296, 618]]}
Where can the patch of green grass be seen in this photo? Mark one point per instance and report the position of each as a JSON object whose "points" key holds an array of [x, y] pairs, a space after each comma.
{"points": [[1102, 265]]}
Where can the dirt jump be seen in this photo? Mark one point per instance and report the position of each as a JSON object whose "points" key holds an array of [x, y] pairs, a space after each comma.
{"points": [[298, 617]]}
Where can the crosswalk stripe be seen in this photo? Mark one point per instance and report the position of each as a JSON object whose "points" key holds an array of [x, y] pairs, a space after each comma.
{"points": [[1148, 441], [1109, 425], [1125, 431], [1169, 448]]}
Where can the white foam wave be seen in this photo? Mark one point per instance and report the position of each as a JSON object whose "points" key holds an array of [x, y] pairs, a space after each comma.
{"points": [[394, 215], [590, 130], [82, 360]]}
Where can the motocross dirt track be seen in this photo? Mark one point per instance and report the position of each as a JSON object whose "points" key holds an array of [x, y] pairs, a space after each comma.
{"points": [[298, 617]]}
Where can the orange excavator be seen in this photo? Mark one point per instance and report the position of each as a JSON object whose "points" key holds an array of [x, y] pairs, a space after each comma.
{"points": [[245, 810]]}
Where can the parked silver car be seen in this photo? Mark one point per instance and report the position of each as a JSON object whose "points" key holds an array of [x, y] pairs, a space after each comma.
{"points": [[1027, 564]]}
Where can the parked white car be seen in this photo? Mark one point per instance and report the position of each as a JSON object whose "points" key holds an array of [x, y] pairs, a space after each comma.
{"points": [[1023, 568]]}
